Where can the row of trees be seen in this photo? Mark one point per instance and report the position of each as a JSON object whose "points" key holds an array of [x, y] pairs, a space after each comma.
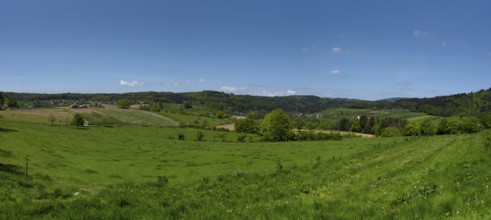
{"points": [[277, 126], [369, 125], [451, 125]]}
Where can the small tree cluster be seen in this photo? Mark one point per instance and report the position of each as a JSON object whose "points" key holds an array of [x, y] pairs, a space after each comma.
{"points": [[370, 125], [124, 104], [451, 125], [276, 126], [248, 125]]}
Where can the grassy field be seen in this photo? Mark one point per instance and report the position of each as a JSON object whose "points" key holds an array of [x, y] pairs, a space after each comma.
{"points": [[63, 116], [189, 119], [130, 172], [338, 113]]}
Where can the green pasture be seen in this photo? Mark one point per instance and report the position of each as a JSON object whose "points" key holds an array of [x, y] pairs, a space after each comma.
{"points": [[339, 113], [137, 172], [190, 119]]}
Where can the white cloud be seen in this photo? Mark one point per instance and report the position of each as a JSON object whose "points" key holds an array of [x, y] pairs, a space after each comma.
{"points": [[201, 81], [228, 89], [131, 83], [336, 50], [419, 33], [289, 92], [335, 72]]}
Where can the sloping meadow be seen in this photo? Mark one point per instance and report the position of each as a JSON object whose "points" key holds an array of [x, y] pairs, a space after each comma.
{"points": [[135, 172]]}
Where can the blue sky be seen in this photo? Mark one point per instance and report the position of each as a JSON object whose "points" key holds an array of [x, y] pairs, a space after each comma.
{"points": [[350, 49]]}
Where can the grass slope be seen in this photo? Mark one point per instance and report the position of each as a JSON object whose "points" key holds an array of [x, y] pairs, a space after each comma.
{"points": [[139, 117], [144, 172]]}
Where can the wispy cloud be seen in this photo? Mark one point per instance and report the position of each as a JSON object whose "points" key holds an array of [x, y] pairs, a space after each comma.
{"points": [[131, 83], [229, 89], [444, 44], [335, 72], [336, 50], [420, 33]]}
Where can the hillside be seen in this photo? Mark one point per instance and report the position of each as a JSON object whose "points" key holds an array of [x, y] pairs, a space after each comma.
{"points": [[458, 104], [145, 172]]}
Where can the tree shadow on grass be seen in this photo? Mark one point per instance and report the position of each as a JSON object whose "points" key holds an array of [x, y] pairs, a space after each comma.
{"points": [[10, 168], [7, 130]]}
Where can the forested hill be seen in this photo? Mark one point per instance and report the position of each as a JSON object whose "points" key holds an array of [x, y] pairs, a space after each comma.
{"points": [[208, 99], [459, 104]]}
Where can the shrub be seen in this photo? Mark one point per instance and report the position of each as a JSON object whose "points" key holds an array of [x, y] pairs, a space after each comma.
{"points": [[181, 136], [241, 138], [199, 136], [390, 132]]}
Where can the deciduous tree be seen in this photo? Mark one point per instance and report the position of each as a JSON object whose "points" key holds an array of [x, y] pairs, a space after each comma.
{"points": [[276, 126]]}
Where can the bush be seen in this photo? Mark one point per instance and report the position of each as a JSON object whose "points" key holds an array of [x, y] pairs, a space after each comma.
{"points": [[241, 138], [428, 127], [412, 129], [199, 136], [181, 136], [390, 132]]}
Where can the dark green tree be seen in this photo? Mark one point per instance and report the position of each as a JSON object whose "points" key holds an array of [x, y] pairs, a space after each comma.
{"points": [[449, 126], [78, 120], [428, 127], [485, 119], [124, 104], [412, 128], [2, 99], [390, 132], [470, 124], [276, 126], [355, 126], [11, 103], [299, 123], [247, 125]]}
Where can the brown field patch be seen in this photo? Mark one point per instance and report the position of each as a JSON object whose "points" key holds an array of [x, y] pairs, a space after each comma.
{"points": [[230, 127], [42, 112]]}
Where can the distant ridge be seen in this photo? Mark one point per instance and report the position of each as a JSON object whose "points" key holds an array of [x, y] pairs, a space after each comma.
{"points": [[472, 103]]}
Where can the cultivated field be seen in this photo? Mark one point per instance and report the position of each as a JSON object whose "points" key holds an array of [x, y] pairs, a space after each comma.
{"points": [[136, 172]]}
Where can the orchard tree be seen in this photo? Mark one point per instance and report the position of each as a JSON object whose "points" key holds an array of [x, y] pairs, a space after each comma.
{"points": [[78, 120], [124, 104], [276, 126], [52, 119]]}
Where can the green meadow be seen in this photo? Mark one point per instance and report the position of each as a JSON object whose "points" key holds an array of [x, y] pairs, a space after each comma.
{"points": [[167, 172]]}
